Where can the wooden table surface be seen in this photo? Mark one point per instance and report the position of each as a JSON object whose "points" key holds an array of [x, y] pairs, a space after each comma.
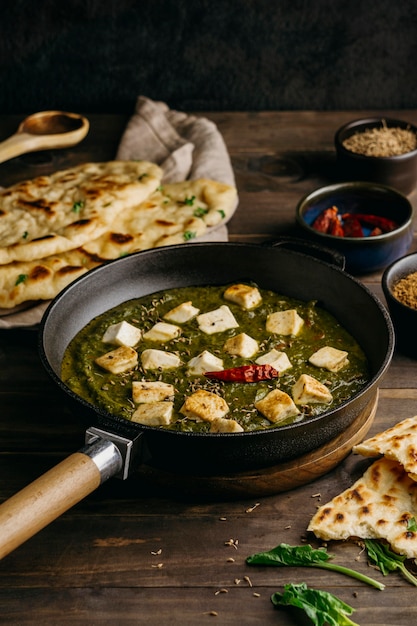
{"points": [[135, 552]]}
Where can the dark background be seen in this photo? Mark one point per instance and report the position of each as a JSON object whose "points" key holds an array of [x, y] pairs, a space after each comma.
{"points": [[99, 55]]}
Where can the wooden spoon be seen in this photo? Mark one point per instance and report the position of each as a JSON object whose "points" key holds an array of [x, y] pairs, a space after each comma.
{"points": [[47, 129]]}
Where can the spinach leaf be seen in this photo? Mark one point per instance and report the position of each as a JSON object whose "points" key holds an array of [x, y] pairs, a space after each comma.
{"points": [[306, 556], [387, 561], [321, 607]]}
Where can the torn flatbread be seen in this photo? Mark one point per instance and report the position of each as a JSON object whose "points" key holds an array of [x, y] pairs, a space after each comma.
{"points": [[379, 505], [398, 443]]}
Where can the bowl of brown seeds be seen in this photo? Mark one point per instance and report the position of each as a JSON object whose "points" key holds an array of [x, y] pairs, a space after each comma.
{"points": [[379, 150], [399, 284]]}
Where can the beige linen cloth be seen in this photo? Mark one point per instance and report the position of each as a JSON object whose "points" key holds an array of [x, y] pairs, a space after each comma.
{"points": [[184, 146]]}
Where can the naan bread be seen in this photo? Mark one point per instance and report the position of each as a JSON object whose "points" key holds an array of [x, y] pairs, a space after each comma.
{"points": [[52, 214], [398, 443], [172, 214], [378, 506], [40, 280]]}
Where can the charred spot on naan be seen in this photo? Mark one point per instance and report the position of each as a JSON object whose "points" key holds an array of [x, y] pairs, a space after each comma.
{"points": [[165, 223], [120, 238], [92, 259], [80, 223], [70, 269], [39, 204], [40, 272]]}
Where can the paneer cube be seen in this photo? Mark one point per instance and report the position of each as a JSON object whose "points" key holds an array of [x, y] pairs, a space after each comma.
{"points": [[217, 320], [122, 334], [154, 414], [330, 358], [162, 331], [225, 425], [308, 390], [244, 295], [204, 405], [204, 362], [277, 406], [284, 322], [159, 359], [119, 360], [182, 313], [151, 391], [241, 345], [278, 360]]}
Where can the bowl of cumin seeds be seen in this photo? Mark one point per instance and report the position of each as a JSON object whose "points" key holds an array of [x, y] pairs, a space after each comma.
{"points": [[379, 150], [399, 284]]}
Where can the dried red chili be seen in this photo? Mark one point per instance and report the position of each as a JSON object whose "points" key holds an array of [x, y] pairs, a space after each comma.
{"points": [[336, 228], [326, 220], [367, 219], [352, 227], [245, 374], [331, 222]]}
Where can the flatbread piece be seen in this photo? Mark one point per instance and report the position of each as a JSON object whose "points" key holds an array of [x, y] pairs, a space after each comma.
{"points": [[51, 214], [174, 213], [378, 506], [398, 443]]}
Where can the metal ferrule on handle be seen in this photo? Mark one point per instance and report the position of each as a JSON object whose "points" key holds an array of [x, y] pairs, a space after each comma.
{"points": [[106, 456]]}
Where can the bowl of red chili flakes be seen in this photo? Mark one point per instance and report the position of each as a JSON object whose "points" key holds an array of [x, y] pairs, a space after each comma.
{"points": [[381, 150], [370, 224]]}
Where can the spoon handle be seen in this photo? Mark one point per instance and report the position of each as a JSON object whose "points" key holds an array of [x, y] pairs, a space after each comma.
{"points": [[19, 144], [22, 142]]}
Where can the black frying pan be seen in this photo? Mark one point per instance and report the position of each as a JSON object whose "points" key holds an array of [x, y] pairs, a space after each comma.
{"points": [[114, 445]]}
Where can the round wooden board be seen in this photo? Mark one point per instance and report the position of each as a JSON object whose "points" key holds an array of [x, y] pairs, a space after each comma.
{"points": [[271, 480]]}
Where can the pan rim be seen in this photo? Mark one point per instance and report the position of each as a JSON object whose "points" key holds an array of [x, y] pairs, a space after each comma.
{"points": [[123, 423]]}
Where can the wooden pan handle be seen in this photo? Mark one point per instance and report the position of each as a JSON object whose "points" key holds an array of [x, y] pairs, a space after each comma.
{"points": [[41, 502]]}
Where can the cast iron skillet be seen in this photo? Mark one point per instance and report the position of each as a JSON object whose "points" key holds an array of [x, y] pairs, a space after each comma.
{"points": [[121, 444]]}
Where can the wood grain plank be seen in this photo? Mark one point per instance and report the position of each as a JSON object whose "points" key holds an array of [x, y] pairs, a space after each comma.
{"points": [[105, 607], [99, 563]]}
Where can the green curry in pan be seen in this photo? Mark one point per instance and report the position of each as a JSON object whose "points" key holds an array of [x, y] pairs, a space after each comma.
{"points": [[178, 359]]}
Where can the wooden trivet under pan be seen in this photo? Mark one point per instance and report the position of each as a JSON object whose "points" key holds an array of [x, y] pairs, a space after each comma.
{"points": [[271, 480]]}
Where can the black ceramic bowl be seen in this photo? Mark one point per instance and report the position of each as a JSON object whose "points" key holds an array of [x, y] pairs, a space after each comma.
{"points": [[402, 309], [368, 253], [399, 171]]}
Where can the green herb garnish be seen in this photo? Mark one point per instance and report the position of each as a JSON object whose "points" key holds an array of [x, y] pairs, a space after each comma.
{"points": [[77, 206], [380, 555], [412, 524], [189, 201], [143, 176], [321, 607], [25, 235], [306, 556], [21, 279], [222, 213], [200, 212], [188, 234]]}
